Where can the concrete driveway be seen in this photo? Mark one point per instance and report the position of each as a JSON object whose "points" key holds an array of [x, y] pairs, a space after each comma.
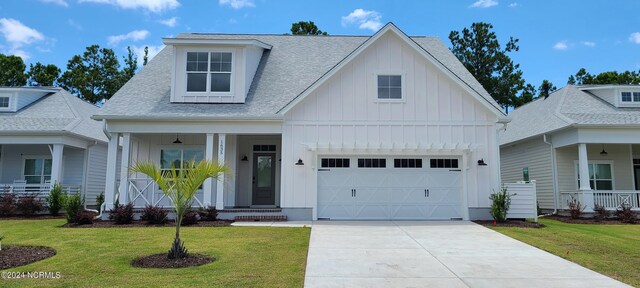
{"points": [[434, 254]]}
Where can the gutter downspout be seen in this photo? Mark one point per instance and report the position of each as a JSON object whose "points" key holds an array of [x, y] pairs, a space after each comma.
{"points": [[104, 205], [104, 129], [554, 174]]}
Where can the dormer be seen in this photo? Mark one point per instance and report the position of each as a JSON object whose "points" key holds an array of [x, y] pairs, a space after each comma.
{"points": [[12, 99], [624, 96], [213, 70]]}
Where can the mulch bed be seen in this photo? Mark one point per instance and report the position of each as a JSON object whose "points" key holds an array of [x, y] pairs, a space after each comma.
{"points": [[567, 219], [14, 256], [161, 261], [510, 223], [111, 224]]}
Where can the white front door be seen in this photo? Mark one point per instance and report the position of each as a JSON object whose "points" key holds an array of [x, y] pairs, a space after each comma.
{"points": [[389, 188]]}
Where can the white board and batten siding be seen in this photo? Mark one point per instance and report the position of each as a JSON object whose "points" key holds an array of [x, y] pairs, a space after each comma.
{"points": [[345, 111]]}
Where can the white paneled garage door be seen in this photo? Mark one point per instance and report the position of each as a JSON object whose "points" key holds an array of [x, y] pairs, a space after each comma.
{"points": [[375, 188]]}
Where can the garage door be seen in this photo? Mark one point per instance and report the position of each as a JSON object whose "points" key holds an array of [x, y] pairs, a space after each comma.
{"points": [[375, 188]]}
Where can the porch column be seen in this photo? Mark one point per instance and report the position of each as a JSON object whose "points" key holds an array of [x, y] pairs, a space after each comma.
{"points": [[124, 169], [583, 170], [112, 162], [222, 139], [207, 187], [56, 163]]}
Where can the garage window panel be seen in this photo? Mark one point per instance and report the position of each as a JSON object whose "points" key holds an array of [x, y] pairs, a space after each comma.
{"points": [[443, 163], [334, 163], [407, 163], [372, 163]]}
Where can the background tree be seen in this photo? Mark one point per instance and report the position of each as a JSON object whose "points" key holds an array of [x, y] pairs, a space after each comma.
{"points": [[306, 28], [12, 71], [582, 77], [480, 52], [545, 88], [130, 66], [94, 75], [527, 95], [42, 75], [145, 58]]}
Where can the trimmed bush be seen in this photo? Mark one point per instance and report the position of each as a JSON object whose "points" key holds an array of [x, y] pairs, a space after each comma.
{"points": [[626, 215], [84, 217], [100, 201], [208, 214], [73, 206], [29, 204], [600, 213], [7, 204], [575, 208], [56, 199], [154, 215], [122, 214], [500, 202], [190, 218]]}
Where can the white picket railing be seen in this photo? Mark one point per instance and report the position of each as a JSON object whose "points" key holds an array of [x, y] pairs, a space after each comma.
{"points": [[38, 189], [144, 191], [610, 199]]}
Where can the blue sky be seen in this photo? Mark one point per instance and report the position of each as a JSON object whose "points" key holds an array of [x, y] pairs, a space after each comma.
{"points": [[556, 37]]}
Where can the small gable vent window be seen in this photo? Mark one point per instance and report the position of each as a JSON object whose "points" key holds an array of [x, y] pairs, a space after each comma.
{"points": [[209, 71], [630, 97], [4, 102], [389, 87]]}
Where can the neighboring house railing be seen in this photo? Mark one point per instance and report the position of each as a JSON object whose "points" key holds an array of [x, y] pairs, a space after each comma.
{"points": [[40, 190], [610, 199], [523, 203], [144, 191]]}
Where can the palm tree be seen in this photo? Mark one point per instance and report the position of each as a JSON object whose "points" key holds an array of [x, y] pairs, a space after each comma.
{"points": [[180, 185]]}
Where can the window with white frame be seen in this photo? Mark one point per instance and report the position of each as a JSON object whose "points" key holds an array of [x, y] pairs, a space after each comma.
{"points": [[600, 175], [209, 72], [630, 97], [177, 158], [4, 102], [37, 170], [389, 87]]}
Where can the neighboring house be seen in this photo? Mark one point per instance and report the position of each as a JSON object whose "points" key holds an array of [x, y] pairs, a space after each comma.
{"points": [[47, 136], [312, 127], [577, 130]]}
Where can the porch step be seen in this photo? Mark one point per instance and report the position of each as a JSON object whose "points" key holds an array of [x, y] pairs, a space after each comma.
{"points": [[260, 218], [249, 210]]}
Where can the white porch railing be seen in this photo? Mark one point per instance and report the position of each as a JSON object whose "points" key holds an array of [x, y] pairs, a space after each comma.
{"points": [[144, 191], [40, 190], [610, 199]]}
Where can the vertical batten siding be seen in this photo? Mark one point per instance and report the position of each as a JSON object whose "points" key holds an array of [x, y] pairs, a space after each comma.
{"points": [[345, 110], [96, 172], [536, 155]]}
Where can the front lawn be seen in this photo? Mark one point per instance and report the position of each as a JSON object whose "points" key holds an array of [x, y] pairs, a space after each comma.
{"points": [[613, 250], [99, 257]]}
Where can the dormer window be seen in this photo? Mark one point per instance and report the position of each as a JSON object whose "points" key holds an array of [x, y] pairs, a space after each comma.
{"points": [[630, 97], [209, 72], [4, 102]]}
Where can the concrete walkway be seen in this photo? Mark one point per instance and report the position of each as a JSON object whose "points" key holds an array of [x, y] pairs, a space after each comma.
{"points": [[434, 254]]}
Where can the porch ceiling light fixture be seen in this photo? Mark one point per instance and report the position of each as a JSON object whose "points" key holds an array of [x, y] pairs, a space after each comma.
{"points": [[244, 158], [299, 162], [603, 153], [481, 162], [177, 140]]}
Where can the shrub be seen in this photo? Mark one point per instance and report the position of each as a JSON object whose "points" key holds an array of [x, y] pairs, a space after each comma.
{"points": [[575, 208], [29, 204], [7, 204], [73, 206], [84, 217], [100, 201], [122, 214], [154, 215], [56, 199], [600, 213], [626, 215], [190, 218], [500, 202], [208, 214]]}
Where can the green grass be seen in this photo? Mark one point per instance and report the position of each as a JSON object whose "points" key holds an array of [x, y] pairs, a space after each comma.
{"points": [[99, 257], [613, 250]]}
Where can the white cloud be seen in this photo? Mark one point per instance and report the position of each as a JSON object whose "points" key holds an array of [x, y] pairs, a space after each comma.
{"points": [[134, 35], [635, 37], [155, 6], [364, 19], [484, 4], [139, 51], [171, 22], [74, 24], [589, 43], [233, 21], [514, 5], [19, 35], [562, 45], [62, 3], [237, 4]]}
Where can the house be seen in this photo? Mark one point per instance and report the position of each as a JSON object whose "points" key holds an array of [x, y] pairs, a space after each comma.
{"points": [[47, 136], [313, 127], [585, 130]]}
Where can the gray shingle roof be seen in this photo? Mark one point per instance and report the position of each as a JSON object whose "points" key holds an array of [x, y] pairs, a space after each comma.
{"points": [[563, 108], [286, 70], [56, 112]]}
